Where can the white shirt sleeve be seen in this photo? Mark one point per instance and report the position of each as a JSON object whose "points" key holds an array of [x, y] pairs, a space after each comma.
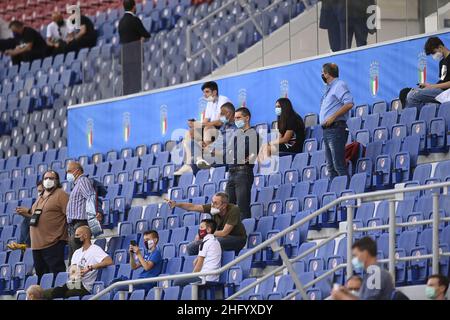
{"points": [[99, 255], [52, 31], [205, 248]]}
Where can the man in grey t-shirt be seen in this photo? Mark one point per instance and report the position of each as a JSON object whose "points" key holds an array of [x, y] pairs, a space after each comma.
{"points": [[377, 283]]}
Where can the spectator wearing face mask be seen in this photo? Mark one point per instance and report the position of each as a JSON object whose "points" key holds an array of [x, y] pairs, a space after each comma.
{"points": [[353, 285], [377, 283], [150, 260], [230, 231], [437, 286], [25, 241], [209, 255], [48, 227], [84, 266]]}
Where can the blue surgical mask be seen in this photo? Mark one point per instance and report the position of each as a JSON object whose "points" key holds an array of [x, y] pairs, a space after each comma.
{"points": [[278, 111], [357, 265], [223, 119], [70, 177], [239, 124]]}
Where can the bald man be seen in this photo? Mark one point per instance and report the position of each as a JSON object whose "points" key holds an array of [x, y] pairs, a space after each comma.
{"points": [[58, 33], [35, 292], [84, 266], [82, 193]]}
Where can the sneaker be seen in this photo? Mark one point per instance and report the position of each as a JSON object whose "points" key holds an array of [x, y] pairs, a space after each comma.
{"points": [[203, 164]]}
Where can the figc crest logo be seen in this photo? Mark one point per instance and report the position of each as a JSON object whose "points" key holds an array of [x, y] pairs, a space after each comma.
{"points": [[284, 88], [374, 77], [163, 117], [126, 126], [422, 67], [90, 132], [242, 96], [202, 108]]}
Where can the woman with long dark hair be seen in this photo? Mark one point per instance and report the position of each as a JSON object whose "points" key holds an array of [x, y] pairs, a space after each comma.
{"points": [[290, 127]]}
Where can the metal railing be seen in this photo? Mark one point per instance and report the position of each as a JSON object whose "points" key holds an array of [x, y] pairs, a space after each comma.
{"points": [[350, 230], [209, 45]]}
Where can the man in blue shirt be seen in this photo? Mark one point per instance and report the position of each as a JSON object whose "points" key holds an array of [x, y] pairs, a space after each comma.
{"points": [[336, 102], [150, 261]]}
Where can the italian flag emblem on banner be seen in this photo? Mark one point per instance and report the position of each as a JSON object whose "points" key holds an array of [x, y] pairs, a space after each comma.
{"points": [[423, 75], [90, 133], [374, 77], [126, 133], [374, 85]]}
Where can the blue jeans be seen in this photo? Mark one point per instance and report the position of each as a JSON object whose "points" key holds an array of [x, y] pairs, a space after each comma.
{"points": [[25, 232], [334, 140], [419, 97]]}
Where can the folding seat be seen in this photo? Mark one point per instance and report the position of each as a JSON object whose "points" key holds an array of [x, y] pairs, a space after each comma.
{"points": [[407, 117], [112, 156], [265, 224], [363, 137], [371, 122], [437, 139], [380, 107], [171, 293], [291, 176], [131, 164], [178, 235], [310, 145], [362, 111], [47, 281], [310, 174], [274, 179], [354, 124]]}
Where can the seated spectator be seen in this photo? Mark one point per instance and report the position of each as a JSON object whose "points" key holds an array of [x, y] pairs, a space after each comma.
{"points": [[24, 240], [365, 257], [209, 254], [86, 37], [230, 231], [84, 267], [58, 33], [35, 292], [213, 152], [290, 127], [353, 285], [151, 261], [426, 93], [199, 134], [30, 44], [437, 286]]}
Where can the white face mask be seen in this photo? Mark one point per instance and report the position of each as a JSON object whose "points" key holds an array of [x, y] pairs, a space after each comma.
{"points": [[355, 293], [210, 99], [48, 184], [214, 211], [438, 56]]}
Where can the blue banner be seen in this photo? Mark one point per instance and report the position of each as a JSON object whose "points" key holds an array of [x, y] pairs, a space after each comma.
{"points": [[372, 74]]}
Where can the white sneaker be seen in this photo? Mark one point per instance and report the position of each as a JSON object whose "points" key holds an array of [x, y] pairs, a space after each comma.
{"points": [[203, 164], [184, 169]]}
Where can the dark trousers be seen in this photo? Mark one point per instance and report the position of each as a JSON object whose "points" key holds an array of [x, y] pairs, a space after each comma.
{"points": [[239, 188], [6, 44], [25, 232], [49, 260], [71, 230], [64, 292], [228, 243], [29, 56], [132, 67], [335, 139]]}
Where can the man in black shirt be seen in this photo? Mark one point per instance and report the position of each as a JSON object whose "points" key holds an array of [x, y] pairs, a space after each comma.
{"points": [[241, 153], [31, 45], [131, 28], [86, 37], [426, 93]]}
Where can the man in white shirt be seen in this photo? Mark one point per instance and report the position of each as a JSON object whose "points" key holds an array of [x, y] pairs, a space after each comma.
{"points": [[58, 33], [200, 134], [209, 256], [83, 269]]}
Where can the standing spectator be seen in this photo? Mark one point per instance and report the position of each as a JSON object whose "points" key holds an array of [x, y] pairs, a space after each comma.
{"points": [[84, 266], [291, 128], [357, 22], [58, 32], [229, 231], [48, 227], [25, 241], [82, 193], [426, 93], [335, 106], [377, 283], [86, 37], [437, 286], [131, 28], [242, 152], [35, 292], [151, 261], [30, 46], [209, 254], [329, 21]]}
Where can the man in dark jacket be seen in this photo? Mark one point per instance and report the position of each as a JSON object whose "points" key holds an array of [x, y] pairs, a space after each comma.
{"points": [[131, 28]]}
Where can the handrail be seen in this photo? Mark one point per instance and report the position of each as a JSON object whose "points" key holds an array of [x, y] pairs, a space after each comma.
{"points": [[208, 46], [276, 237]]}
